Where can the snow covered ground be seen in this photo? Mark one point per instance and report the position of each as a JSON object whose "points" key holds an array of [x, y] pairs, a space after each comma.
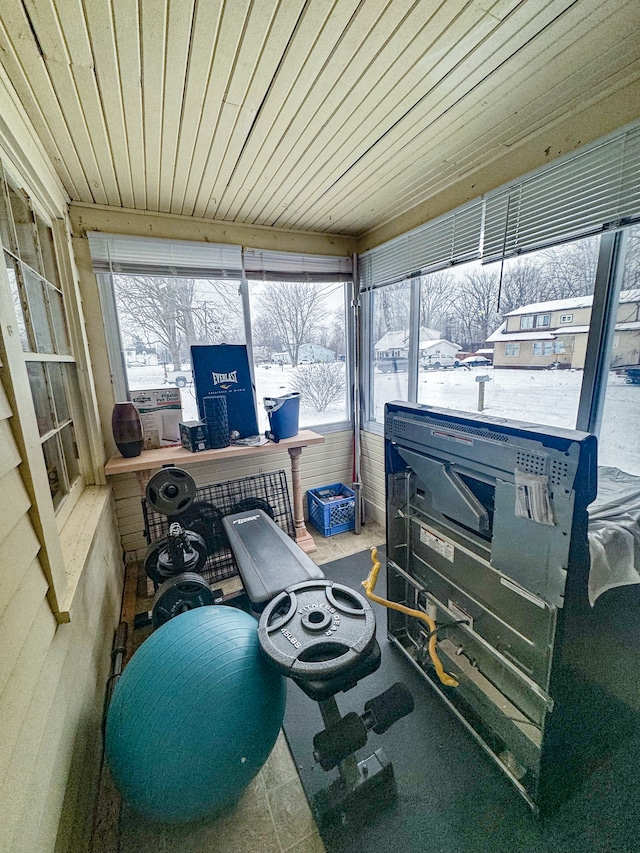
{"points": [[271, 381], [541, 396], [547, 397]]}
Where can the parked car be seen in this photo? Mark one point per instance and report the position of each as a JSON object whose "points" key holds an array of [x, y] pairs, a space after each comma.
{"points": [[476, 361], [181, 378], [438, 362], [395, 364]]}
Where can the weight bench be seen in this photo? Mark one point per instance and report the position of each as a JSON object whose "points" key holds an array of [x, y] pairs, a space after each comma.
{"points": [[320, 634], [253, 537]]}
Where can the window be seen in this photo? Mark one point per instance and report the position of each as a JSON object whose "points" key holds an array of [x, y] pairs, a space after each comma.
{"points": [[160, 317], [389, 345], [29, 256], [289, 309], [526, 322], [618, 444], [537, 348], [566, 318], [299, 344], [543, 320], [512, 349]]}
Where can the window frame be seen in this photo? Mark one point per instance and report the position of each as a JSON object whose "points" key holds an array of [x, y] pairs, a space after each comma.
{"points": [[115, 348], [48, 522]]}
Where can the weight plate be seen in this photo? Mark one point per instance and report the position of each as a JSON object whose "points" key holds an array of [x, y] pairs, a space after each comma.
{"points": [[179, 594], [206, 520], [253, 503], [162, 561], [317, 629], [170, 491]]}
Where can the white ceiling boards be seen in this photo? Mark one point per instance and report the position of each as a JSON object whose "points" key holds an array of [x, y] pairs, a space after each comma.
{"points": [[333, 116]]}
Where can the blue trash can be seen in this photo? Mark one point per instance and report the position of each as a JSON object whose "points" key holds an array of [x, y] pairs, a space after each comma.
{"points": [[283, 414]]}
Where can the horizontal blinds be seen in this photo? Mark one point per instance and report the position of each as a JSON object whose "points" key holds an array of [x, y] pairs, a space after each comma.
{"points": [[293, 266], [585, 194], [450, 239], [124, 255]]}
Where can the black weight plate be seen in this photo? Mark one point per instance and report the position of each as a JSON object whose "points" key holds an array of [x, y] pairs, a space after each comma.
{"points": [[179, 594], [253, 503], [158, 562], [170, 491], [317, 629], [206, 520]]}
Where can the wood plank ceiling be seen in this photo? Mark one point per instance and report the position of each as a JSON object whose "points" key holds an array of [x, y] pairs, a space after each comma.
{"points": [[315, 115]]}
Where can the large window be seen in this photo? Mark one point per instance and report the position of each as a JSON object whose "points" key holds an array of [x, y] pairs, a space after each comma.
{"points": [[299, 338], [619, 444], [389, 345], [289, 309], [160, 317], [32, 273]]}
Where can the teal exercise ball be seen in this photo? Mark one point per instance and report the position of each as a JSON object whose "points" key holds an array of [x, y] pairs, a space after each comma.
{"points": [[194, 716]]}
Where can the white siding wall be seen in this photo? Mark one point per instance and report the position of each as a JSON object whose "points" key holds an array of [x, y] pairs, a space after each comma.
{"points": [[372, 471], [52, 677]]}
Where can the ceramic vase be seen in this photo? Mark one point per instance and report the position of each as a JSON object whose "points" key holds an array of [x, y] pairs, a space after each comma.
{"points": [[127, 429]]}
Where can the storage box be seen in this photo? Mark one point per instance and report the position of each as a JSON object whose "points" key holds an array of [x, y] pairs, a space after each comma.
{"points": [[222, 370], [194, 436], [332, 509], [160, 412]]}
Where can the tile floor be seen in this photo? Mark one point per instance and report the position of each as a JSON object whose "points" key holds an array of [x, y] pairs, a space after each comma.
{"points": [[273, 815]]}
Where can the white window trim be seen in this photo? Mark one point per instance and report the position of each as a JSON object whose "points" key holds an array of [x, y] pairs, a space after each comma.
{"points": [[48, 523]]}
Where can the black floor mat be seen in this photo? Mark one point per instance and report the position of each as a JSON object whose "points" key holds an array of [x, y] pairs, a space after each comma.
{"points": [[449, 796]]}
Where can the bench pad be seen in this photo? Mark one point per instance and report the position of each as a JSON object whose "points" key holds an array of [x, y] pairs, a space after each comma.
{"points": [[268, 560]]}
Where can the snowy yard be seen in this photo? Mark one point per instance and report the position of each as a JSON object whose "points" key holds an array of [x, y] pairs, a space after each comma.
{"points": [[538, 396]]}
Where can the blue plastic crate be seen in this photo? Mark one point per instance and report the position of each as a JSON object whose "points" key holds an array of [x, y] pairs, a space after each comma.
{"points": [[332, 509]]}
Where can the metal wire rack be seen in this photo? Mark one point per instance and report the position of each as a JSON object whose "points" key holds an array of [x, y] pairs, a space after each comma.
{"points": [[268, 492]]}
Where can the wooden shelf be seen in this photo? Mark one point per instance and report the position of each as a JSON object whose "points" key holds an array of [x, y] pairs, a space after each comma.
{"points": [[149, 460]]}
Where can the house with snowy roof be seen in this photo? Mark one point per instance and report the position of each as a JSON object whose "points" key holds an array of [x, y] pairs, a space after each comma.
{"points": [[396, 344], [542, 334]]}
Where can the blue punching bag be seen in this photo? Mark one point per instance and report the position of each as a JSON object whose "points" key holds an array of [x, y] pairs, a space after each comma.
{"points": [[194, 716]]}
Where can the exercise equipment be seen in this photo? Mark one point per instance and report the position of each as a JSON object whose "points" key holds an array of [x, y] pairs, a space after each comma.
{"points": [[170, 491], [252, 536], [180, 551], [205, 519], [317, 630], [179, 594], [194, 716], [321, 635], [253, 503]]}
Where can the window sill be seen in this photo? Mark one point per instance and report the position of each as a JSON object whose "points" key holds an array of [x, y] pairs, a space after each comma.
{"points": [[77, 538]]}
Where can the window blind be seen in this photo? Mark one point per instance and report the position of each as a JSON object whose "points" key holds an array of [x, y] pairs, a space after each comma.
{"points": [[120, 254], [586, 193], [450, 239], [293, 266]]}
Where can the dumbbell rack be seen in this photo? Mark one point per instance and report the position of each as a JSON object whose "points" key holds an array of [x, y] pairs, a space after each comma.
{"points": [[270, 488]]}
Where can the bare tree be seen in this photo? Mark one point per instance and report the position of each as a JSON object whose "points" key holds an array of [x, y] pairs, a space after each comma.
{"points": [[154, 308], [570, 269], [476, 307], [631, 279], [524, 281], [171, 311], [392, 308], [437, 292], [293, 311]]}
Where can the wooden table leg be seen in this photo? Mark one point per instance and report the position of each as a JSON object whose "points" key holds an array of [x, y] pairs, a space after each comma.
{"points": [[303, 537]]}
